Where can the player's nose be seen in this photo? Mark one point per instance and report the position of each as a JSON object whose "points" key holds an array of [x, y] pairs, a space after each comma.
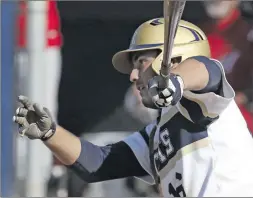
{"points": [[134, 76]]}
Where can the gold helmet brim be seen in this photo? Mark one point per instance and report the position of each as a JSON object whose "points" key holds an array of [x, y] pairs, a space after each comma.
{"points": [[189, 41], [121, 60]]}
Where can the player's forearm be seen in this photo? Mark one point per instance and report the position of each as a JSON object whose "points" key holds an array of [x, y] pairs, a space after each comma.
{"points": [[193, 73], [91, 162], [65, 146]]}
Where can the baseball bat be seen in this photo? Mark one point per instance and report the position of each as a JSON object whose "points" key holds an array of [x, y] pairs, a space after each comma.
{"points": [[172, 10]]}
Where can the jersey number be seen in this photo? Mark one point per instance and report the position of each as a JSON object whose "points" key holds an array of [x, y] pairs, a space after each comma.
{"points": [[179, 190], [165, 141]]}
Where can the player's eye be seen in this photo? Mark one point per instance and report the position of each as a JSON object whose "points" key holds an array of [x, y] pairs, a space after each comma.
{"points": [[177, 59], [135, 57]]}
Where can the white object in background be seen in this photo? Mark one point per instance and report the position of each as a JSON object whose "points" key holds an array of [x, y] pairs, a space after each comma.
{"points": [[36, 44], [39, 69], [53, 73]]}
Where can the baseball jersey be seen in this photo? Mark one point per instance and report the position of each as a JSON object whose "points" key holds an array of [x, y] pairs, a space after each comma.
{"points": [[202, 147]]}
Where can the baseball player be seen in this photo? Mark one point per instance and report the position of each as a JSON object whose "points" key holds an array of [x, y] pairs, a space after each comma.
{"points": [[202, 146]]}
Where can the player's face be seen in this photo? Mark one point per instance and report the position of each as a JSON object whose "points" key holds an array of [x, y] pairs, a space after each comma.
{"points": [[142, 72]]}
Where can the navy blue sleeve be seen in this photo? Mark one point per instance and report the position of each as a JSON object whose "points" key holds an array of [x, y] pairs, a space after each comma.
{"points": [[215, 75], [109, 162]]}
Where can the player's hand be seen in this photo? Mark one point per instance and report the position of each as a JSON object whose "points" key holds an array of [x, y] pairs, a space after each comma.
{"points": [[166, 92], [33, 120]]}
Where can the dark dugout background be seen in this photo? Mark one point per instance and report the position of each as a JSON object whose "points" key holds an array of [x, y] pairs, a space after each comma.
{"points": [[90, 88]]}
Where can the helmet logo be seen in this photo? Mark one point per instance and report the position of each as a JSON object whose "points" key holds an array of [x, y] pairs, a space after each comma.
{"points": [[158, 21], [133, 40]]}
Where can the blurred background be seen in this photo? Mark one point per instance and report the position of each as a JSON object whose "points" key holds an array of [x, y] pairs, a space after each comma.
{"points": [[58, 53]]}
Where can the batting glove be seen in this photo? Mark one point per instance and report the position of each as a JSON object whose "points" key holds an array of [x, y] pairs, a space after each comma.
{"points": [[170, 95], [34, 121]]}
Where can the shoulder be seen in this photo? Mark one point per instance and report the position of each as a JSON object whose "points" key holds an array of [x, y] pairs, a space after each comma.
{"points": [[226, 92], [208, 62], [139, 144], [206, 107], [140, 138]]}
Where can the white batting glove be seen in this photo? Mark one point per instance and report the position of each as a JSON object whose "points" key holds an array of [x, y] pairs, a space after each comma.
{"points": [[33, 120], [171, 95]]}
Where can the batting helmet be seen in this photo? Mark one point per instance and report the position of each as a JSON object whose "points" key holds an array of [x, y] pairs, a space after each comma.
{"points": [[189, 41]]}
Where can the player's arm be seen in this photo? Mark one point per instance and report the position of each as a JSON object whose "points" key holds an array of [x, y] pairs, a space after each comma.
{"points": [[197, 74], [200, 74], [64, 145], [206, 91], [93, 163]]}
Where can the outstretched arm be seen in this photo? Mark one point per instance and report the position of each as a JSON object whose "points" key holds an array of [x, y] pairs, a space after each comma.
{"points": [[93, 163], [65, 146]]}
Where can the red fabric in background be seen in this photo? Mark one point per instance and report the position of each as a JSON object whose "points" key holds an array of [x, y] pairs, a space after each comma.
{"points": [[53, 34], [53, 25], [21, 25], [218, 44]]}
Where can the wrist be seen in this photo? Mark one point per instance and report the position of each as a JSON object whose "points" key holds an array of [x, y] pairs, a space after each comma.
{"points": [[49, 134], [181, 82]]}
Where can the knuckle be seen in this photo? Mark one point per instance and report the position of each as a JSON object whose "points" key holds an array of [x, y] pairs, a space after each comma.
{"points": [[17, 110], [155, 98], [166, 92], [22, 131], [160, 101], [19, 120], [21, 111], [14, 118]]}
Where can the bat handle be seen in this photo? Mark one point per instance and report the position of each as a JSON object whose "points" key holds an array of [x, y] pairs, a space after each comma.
{"points": [[165, 73]]}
